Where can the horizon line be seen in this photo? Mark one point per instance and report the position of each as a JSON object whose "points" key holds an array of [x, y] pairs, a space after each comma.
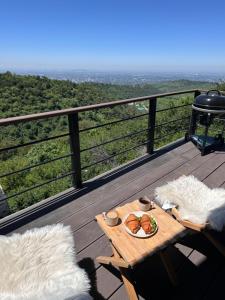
{"points": [[70, 70]]}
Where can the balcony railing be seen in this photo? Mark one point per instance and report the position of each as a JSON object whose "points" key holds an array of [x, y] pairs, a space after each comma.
{"points": [[74, 132]]}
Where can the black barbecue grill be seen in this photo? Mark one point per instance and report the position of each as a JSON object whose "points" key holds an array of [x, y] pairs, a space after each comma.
{"points": [[205, 109]]}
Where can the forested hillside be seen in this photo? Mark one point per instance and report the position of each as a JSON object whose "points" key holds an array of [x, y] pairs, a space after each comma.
{"points": [[20, 95]]}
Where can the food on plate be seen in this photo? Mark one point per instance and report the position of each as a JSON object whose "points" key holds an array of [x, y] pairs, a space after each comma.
{"points": [[138, 221], [146, 224], [132, 222]]}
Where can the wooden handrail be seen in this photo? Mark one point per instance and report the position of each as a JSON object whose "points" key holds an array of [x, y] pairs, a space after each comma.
{"points": [[68, 111]]}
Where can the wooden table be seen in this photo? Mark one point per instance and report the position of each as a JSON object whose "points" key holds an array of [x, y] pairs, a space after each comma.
{"points": [[128, 250]]}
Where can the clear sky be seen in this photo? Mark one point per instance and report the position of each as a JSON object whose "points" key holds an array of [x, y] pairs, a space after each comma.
{"points": [[145, 35]]}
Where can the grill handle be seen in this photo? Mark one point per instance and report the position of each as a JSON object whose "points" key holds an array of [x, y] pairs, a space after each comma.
{"points": [[213, 91]]}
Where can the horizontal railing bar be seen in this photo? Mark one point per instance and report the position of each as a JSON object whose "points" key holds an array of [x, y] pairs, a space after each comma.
{"points": [[161, 137], [34, 166], [34, 142], [113, 122], [181, 119], [38, 185], [114, 140], [68, 111], [179, 106], [121, 152]]}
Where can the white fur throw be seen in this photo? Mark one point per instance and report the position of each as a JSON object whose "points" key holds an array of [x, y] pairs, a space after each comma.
{"points": [[40, 265], [196, 202]]}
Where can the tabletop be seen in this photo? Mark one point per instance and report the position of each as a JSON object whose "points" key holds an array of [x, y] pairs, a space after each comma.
{"points": [[133, 249]]}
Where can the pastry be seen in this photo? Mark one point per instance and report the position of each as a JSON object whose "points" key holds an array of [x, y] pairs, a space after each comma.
{"points": [[145, 223], [132, 222]]}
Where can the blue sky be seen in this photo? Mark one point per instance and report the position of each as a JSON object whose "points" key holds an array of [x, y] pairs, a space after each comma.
{"points": [[139, 35]]}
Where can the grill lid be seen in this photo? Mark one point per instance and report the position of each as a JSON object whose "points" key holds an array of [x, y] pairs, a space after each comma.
{"points": [[211, 100]]}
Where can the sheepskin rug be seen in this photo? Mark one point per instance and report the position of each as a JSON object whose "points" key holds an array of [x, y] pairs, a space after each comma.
{"points": [[40, 264], [196, 202]]}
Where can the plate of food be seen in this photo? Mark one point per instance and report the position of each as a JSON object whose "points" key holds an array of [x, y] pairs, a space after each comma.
{"points": [[140, 224]]}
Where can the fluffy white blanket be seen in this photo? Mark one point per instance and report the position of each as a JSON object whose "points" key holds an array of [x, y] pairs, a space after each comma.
{"points": [[196, 202], [40, 264]]}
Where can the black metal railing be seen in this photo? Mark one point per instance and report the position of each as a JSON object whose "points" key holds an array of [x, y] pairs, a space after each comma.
{"points": [[74, 134]]}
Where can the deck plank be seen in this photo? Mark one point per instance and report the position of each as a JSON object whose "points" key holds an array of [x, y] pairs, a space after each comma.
{"points": [[216, 178], [185, 169], [210, 166], [120, 294], [104, 283], [86, 258]]}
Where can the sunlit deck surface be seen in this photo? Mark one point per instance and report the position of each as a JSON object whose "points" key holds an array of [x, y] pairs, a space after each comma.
{"points": [[200, 268]]}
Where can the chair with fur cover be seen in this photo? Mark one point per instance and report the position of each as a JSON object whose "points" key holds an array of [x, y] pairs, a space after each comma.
{"points": [[41, 264], [197, 207]]}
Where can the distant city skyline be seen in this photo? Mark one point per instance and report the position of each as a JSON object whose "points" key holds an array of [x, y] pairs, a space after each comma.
{"points": [[113, 35]]}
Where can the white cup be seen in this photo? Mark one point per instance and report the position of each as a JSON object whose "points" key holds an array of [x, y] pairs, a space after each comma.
{"points": [[144, 203], [111, 217]]}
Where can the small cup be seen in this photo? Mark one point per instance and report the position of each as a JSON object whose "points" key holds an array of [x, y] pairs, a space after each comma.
{"points": [[144, 203], [111, 217]]}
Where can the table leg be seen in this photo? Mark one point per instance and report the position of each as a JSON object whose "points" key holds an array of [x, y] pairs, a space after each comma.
{"points": [[128, 284], [115, 261], [169, 267], [126, 278]]}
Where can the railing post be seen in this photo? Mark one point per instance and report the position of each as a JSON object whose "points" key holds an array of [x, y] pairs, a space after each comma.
{"points": [[151, 125], [193, 120], [75, 149]]}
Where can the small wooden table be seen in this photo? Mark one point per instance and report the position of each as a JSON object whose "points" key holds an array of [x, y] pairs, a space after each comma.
{"points": [[128, 250]]}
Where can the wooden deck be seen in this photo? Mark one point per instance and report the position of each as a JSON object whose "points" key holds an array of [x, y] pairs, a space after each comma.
{"points": [[200, 268]]}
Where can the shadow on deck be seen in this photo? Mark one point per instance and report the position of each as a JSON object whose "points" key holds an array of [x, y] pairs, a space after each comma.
{"points": [[200, 268]]}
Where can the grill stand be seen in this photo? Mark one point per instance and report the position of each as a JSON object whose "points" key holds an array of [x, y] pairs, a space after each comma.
{"points": [[203, 142], [205, 109]]}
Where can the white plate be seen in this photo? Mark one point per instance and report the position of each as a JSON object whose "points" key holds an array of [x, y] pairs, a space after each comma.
{"points": [[140, 233]]}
